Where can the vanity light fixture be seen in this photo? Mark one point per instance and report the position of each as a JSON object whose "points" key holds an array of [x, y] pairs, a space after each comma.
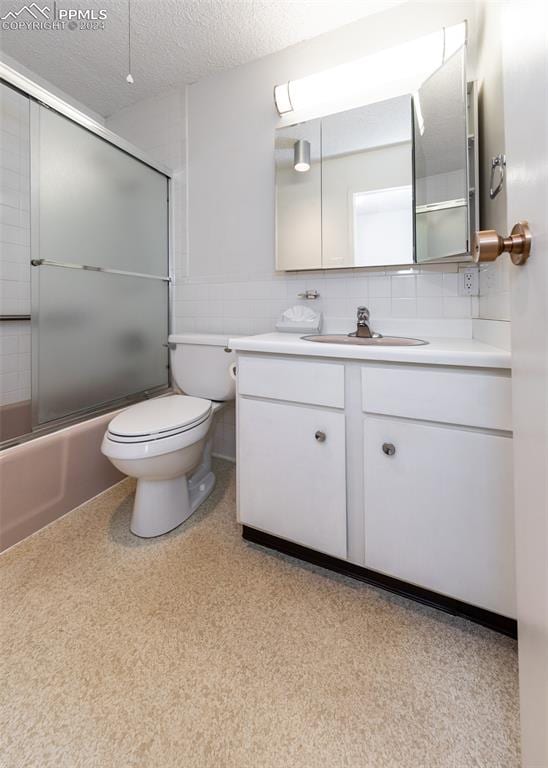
{"points": [[382, 75], [301, 155], [282, 99]]}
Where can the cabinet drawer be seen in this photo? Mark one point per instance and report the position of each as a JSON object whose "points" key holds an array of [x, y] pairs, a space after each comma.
{"points": [[314, 382], [464, 396]]}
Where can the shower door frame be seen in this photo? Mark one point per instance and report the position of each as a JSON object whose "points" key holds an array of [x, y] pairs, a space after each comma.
{"points": [[40, 97]]}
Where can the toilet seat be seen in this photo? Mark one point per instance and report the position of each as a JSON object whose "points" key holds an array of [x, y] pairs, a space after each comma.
{"points": [[159, 419]]}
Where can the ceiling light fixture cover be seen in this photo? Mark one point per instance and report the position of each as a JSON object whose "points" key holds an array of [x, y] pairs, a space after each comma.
{"points": [[282, 99], [382, 75], [301, 155]]}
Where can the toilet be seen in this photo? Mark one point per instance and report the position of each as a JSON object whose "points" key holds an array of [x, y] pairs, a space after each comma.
{"points": [[165, 442]]}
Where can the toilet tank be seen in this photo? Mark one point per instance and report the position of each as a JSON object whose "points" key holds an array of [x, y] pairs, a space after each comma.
{"points": [[201, 366]]}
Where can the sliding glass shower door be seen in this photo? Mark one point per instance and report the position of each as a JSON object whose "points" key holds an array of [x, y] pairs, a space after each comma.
{"points": [[100, 279]]}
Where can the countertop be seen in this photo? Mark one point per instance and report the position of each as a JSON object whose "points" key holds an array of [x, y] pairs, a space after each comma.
{"points": [[438, 351]]}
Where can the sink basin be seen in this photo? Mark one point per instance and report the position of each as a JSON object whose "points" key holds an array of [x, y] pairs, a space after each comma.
{"points": [[381, 341]]}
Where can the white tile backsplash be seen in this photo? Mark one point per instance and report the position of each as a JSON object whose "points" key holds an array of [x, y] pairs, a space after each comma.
{"points": [[494, 288], [247, 306]]}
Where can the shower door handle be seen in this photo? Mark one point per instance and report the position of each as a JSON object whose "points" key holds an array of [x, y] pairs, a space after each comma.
{"points": [[88, 268]]}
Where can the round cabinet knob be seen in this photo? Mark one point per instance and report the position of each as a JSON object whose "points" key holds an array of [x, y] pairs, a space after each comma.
{"points": [[320, 436], [389, 449]]}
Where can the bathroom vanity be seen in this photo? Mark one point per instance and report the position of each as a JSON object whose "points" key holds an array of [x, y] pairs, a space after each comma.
{"points": [[389, 464]]}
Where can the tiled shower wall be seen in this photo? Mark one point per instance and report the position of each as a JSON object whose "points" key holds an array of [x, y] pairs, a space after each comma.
{"points": [[14, 246]]}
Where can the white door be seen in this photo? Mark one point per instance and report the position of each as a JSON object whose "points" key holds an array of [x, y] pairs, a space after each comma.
{"points": [[525, 74], [438, 512], [292, 475]]}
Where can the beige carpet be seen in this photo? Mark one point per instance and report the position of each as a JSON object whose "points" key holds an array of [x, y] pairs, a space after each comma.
{"points": [[199, 650]]}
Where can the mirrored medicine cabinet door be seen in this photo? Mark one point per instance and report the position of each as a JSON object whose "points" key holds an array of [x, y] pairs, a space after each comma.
{"points": [[383, 184]]}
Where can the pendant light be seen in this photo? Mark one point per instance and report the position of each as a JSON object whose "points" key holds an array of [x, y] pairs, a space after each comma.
{"points": [[301, 156]]}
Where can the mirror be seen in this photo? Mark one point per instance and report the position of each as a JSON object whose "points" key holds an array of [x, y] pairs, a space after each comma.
{"points": [[367, 185], [299, 198], [441, 176], [382, 185]]}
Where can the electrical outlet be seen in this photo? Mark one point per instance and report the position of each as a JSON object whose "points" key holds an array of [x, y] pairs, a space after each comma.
{"points": [[469, 282]]}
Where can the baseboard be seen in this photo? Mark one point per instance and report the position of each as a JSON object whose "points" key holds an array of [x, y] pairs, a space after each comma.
{"points": [[494, 621], [223, 456]]}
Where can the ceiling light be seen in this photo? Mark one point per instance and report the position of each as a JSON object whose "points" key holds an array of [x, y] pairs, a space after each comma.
{"points": [[301, 155], [382, 75]]}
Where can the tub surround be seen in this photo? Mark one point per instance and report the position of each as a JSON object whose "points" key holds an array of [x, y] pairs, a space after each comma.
{"points": [[15, 419]]}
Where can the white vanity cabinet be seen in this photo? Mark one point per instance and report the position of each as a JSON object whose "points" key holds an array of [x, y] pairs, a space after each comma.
{"points": [[291, 455], [401, 471]]}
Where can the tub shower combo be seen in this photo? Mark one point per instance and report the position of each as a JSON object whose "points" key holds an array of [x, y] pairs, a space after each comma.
{"points": [[85, 315]]}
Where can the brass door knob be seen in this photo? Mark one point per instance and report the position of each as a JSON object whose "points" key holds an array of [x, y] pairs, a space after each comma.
{"points": [[488, 244]]}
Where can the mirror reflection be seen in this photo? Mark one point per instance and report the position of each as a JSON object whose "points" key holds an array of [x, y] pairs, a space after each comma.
{"points": [[299, 196], [367, 186], [441, 163], [381, 185]]}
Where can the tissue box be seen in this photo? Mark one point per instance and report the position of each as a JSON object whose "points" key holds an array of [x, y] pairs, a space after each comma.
{"points": [[299, 319]]}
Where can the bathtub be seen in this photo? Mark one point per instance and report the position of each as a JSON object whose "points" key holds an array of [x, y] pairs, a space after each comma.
{"points": [[45, 478]]}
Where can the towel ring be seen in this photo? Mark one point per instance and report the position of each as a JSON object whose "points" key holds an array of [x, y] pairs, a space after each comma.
{"points": [[499, 161]]}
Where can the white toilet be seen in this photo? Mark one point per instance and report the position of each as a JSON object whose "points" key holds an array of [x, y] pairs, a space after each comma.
{"points": [[166, 442]]}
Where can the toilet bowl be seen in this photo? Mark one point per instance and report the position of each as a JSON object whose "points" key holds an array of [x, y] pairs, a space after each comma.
{"points": [[165, 442]]}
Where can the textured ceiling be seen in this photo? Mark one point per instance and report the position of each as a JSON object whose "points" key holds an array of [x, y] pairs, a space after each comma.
{"points": [[173, 41]]}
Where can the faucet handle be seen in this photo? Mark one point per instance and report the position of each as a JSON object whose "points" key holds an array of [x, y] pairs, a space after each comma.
{"points": [[363, 314]]}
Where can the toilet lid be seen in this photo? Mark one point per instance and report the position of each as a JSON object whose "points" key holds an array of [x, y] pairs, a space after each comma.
{"points": [[160, 416]]}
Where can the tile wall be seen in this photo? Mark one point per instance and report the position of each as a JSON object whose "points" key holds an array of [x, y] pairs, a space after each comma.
{"points": [[14, 246], [223, 303]]}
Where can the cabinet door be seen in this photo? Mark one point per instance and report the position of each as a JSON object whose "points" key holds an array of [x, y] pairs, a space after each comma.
{"points": [[291, 481], [438, 512]]}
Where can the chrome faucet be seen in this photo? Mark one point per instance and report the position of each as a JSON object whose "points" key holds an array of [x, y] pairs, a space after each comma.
{"points": [[363, 329]]}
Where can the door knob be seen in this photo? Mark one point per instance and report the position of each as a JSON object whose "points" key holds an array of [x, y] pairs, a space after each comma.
{"points": [[320, 436], [488, 244], [389, 449]]}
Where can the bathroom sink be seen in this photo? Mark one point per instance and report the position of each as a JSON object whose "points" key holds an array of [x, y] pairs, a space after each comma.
{"points": [[377, 341]]}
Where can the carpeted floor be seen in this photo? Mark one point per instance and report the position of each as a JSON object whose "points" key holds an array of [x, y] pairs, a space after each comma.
{"points": [[197, 650]]}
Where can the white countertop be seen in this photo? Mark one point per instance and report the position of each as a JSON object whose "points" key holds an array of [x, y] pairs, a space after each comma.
{"points": [[438, 351]]}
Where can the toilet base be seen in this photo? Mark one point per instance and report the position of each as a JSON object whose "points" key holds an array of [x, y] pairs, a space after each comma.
{"points": [[162, 505]]}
